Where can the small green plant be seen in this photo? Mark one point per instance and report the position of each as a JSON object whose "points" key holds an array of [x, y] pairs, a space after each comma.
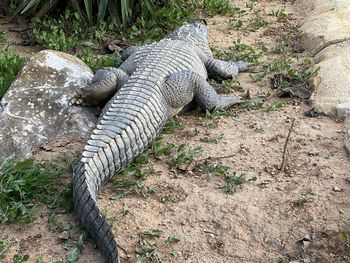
{"points": [[275, 106], [231, 181], [184, 155], [280, 14], [281, 44], [222, 7], [172, 125], [230, 178], [131, 179], [304, 199], [147, 29], [211, 119], [55, 225], [239, 51], [2, 37], [252, 105], [345, 237], [212, 139], [74, 255], [4, 247], [159, 150], [10, 64], [154, 252], [96, 63], [19, 258], [256, 22], [235, 24]]}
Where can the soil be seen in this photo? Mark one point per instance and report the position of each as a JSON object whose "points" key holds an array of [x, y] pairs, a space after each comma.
{"points": [[295, 214]]}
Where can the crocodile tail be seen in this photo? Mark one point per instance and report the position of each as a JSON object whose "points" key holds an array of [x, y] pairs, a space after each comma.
{"points": [[85, 203]]}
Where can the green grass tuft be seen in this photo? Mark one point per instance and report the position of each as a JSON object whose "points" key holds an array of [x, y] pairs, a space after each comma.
{"points": [[24, 184], [10, 64]]}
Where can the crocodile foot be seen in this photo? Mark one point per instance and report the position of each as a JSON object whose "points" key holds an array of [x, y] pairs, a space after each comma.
{"points": [[243, 66], [76, 99]]}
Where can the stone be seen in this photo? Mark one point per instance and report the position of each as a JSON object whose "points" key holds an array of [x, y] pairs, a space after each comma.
{"points": [[343, 109], [327, 23], [333, 86], [35, 109], [347, 133], [336, 189]]}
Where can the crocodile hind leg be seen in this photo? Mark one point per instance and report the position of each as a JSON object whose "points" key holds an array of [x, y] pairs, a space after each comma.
{"points": [[183, 86], [129, 51], [106, 82], [225, 69]]}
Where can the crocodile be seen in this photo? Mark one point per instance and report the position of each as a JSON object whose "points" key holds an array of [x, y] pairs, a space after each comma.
{"points": [[156, 81]]}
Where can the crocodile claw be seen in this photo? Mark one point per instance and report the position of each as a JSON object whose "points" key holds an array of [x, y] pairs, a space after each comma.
{"points": [[76, 99], [243, 66]]}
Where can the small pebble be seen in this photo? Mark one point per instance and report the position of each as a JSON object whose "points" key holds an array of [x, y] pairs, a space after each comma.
{"points": [[336, 189]]}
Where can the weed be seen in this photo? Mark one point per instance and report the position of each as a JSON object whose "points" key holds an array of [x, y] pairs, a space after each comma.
{"points": [[280, 14], [130, 180], [74, 255], [173, 238], [235, 24], [10, 64], [252, 105], [69, 32], [281, 44], [4, 247], [212, 169], [211, 119], [231, 181], [284, 66], [95, 63], [256, 22], [239, 51], [152, 233], [230, 178], [55, 225], [160, 150], [184, 154], [275, 106], [212, 139], [146, 30], [172, 125], [24, 183], [18, 258], [154, 252], [2, 37], [222, 7], [304, 198], [227, 86], [345, 237]]}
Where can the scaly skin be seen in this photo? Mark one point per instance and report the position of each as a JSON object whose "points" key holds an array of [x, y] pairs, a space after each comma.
{"points": [[154, 83]]}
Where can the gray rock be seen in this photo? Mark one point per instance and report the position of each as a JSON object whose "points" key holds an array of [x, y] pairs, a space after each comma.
{"points": [[35, 110], [333, 90], [347, 133], [326, 23]]}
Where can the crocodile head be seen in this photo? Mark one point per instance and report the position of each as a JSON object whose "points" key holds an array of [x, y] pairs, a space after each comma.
{"points": [[195, 32]]}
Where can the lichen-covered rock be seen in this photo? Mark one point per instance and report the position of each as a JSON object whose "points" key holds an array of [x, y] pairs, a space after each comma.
{"points": [[326, 23], [36, 110]]}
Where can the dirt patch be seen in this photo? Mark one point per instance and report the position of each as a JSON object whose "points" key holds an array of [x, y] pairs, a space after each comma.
{"points": [[295, 215]]}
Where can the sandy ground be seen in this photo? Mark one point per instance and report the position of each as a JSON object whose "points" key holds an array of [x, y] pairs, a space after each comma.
{"points": [[295, 215]]}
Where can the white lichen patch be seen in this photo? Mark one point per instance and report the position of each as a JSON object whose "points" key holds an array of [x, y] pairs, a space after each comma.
{"points": [[76, 73]]}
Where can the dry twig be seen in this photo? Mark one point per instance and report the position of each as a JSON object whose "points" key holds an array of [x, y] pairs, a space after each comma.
{"points": [[285, 146]]}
